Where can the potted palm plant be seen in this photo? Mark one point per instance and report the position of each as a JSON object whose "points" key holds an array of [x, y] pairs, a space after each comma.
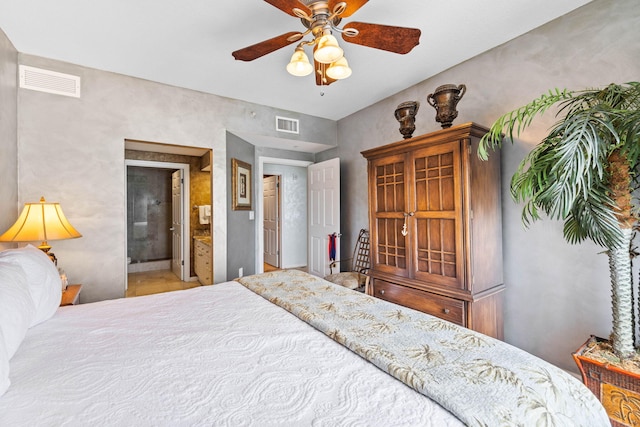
{"points": [[584, 172]]}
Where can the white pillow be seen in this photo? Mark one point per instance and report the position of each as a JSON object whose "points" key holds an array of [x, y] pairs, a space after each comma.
{"points": [[17, 310], [43, 280], [4, 367]]}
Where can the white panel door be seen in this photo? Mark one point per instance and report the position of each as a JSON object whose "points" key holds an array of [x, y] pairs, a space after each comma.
{"points": [[324, 213], [271, 211], [177, 257]]}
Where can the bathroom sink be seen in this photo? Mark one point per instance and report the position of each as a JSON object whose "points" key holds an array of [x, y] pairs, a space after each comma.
{"points": [[203, 239]]}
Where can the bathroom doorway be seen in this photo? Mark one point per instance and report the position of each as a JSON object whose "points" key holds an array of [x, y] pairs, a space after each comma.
{"points": [[195, 167], [156, 214]]}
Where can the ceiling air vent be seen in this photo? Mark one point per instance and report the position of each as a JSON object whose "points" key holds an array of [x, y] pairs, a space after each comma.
{"points": [[285, 124], [49, 81]]}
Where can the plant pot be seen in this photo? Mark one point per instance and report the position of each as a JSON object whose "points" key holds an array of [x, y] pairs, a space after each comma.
{"points": [[617, 389]]}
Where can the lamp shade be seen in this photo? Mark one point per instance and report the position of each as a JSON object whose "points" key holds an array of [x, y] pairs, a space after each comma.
{"points": [[328, 50], [40, 221], [339, 69], [299, 64]]}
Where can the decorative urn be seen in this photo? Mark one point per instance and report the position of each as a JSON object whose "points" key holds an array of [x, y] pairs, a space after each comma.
{"points": [[406, 116], [444, 100]]}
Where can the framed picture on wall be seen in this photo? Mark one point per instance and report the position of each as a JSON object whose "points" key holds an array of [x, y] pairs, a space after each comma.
{"points": [[240, 185]]}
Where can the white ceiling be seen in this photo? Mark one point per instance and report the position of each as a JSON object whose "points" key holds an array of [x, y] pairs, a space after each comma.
{"points": [[188, 43]]}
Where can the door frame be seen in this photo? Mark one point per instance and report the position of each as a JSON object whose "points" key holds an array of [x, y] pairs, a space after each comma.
{"points": [[186, 253], [259, 207]]}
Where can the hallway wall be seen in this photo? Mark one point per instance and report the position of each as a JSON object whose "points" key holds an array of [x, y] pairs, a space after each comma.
{"points": [[241, 228]]}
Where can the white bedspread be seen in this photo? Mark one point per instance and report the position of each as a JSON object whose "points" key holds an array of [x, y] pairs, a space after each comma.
{"points": [[218, 355], [483, 381]]}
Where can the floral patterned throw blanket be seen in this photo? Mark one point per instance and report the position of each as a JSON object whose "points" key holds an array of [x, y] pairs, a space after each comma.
{"points": [[481, 380]]}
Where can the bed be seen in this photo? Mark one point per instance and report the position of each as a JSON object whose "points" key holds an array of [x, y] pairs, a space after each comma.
{"points": [[280, 348]]}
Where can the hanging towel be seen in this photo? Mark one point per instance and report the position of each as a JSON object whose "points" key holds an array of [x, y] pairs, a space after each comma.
{"points": [[204, 214], [332, 247]]}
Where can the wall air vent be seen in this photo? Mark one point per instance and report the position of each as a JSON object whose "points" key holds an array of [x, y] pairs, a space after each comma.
{"points": [[285, 124], [49, 81]]}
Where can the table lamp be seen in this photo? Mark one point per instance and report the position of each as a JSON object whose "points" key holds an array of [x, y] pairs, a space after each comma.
{"points": [[41, 221]]}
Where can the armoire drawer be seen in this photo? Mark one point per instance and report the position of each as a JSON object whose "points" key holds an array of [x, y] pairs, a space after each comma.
{"points": [[445, 308]]}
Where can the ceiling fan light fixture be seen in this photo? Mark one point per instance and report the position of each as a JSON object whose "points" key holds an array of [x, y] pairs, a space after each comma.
{"points": [[339, 70], [328, 50], [299, 65], [321, 19]]}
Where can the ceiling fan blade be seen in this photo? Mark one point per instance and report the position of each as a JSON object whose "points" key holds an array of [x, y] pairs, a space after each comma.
{"points": [[257, 50], [392, 39], [352, 6], [285, 5]]}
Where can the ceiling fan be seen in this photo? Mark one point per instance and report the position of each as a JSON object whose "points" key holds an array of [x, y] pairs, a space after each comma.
{"points": [[321, 21]]}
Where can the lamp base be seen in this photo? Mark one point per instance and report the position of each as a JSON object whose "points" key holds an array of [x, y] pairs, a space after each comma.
{"points": [[46, 248]]}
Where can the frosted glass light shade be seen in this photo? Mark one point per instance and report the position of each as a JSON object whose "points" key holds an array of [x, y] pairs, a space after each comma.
{"points": [[299, 64], [339, 70], [328, 50]]}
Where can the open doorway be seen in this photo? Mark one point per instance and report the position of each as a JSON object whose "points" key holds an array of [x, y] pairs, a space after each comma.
{"points": [[149, 218], [158, 227], [308, 219], [166, 189], [292, 214]]}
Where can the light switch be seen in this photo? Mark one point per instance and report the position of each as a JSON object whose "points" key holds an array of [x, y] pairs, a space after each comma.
{"points": [[252, 215]]}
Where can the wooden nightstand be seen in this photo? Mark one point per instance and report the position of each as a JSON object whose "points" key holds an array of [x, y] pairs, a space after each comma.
{"points": [[71, 295]]}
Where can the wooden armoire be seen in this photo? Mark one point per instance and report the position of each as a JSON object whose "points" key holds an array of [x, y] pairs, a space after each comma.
{"points": [[436, 227]]}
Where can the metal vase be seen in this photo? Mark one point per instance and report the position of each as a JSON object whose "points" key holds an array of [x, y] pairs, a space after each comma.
{"points": [[406, 115], [444, 100]]}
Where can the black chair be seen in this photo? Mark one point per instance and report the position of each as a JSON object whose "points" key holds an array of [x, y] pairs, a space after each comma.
{"points": [[357, 278]]}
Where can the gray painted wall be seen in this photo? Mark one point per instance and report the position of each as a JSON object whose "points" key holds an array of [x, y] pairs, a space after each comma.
{"points": [[8, 136], [293, 198], [72, 151], [557, 294], [241, 231]]}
